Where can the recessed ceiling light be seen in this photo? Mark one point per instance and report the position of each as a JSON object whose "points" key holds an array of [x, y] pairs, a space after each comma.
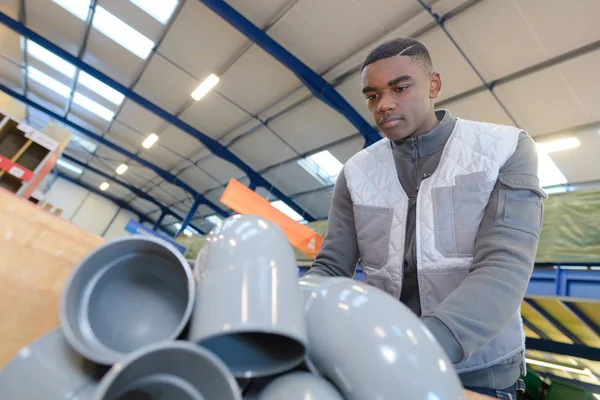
{"points": [[150, 140], [104, 186], [205, 87], [121, 169]]}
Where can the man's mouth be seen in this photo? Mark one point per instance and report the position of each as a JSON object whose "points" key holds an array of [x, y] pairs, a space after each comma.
{"points": [[389, 122]]}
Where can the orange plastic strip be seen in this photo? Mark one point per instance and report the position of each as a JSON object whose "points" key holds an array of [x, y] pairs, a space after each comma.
{"points": [[245, 201]]}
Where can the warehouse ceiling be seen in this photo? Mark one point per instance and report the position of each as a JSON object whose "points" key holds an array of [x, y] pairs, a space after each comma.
{"points": [[529, 63]]}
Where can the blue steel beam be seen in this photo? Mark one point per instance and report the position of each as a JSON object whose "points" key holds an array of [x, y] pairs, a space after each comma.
{"points": [[159, 221], [211, 144], [167, 176], [138, 192], [313, 81], [188, 218]]}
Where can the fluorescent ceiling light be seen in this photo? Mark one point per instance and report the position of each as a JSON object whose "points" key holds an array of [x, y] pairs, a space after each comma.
{"points": [[121, 169], [161, 10], [122, 33], [100, 88], [104, 186], [214, 219], [47, 81], [287, 210], [78, 8], [548, 172], [68, 166], [558, 145], [150, 140], [572, 370], [323, 166], [93, 107], [89, 146], [205, 87], [50, 59]]}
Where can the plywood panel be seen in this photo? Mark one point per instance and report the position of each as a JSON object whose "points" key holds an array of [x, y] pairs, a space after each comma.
{"points": [[37, 252]]}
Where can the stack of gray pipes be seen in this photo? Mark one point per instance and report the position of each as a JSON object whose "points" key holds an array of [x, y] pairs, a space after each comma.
{"points": [[137, 322]]}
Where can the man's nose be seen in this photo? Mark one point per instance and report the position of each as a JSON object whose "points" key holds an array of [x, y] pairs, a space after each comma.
{"points": [[385, 104]]}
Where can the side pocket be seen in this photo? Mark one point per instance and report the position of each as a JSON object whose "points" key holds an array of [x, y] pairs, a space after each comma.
{"points": [[458, 211], [520, 204], [373, 228]]}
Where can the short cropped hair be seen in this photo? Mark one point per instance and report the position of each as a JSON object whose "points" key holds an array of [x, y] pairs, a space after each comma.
{"points": [[403, 46]]}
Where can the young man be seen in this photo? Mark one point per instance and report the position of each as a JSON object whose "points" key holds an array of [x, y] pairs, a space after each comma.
{"points": [[444, 214]]}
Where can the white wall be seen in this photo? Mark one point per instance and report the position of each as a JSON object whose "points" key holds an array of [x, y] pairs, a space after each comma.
{"points": [[117, 228], [88, 210]]}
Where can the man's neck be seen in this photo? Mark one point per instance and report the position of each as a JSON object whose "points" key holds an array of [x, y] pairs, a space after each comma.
{"points": [[431, 122]]}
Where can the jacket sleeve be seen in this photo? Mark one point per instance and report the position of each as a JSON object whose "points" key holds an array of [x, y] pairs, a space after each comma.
{"points": [[339, 251], [504, 255]]}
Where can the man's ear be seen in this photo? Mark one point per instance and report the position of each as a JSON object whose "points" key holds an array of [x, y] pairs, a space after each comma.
{"points": [[435, 85]]}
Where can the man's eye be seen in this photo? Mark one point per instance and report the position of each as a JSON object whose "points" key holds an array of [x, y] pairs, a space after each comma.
{"points": [[371, 97], [401, 89]]}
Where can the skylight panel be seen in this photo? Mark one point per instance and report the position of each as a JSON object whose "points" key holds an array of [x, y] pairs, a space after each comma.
{"points": [[559, 145], [100, 88], [188, 231], [50, 59], [122, 33], [68, 166], [89, 146], [214, 219], [78, 8], [47, 81], [93, 107], [287, 210], [161, 10], [323, 166], [548, 173]]}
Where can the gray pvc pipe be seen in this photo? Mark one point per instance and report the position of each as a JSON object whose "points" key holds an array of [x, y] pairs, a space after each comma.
{"points": [[299, 386], [371, 346], [248, 306], [169, 371], [128, 293], [49, 369]]}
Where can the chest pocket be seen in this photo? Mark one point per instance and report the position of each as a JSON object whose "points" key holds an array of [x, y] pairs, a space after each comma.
{"points": [[373, 227], [458, 211]]}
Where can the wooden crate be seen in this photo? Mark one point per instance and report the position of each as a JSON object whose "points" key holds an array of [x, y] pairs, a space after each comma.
{"points": [[37, 252]]}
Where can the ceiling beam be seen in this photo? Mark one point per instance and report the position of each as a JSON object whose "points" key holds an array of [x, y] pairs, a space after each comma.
{"points": [[211, 144], [167, 176], [312, 80], [138, 192]]}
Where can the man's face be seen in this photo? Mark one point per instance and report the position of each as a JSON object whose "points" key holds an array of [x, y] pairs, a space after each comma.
{"points": [[399, 94]]}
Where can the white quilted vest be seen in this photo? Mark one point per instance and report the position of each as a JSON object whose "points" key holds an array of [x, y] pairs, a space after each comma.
{"points": [[450, 207]]}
